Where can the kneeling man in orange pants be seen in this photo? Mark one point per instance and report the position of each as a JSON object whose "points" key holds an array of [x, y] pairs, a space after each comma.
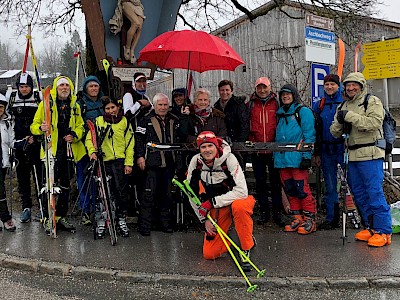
{"points": [[217, 175]]}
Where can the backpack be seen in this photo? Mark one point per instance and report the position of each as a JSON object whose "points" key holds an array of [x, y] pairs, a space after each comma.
{"points": [[317, 118], [388, 127]]}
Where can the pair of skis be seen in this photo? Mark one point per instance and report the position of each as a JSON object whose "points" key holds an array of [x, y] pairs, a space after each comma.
{"points": [[247, 146], [103, 187], [50, 188], [196, 203]]}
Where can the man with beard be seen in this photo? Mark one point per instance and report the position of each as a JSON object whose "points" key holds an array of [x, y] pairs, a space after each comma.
{"points": [[67, 131]]}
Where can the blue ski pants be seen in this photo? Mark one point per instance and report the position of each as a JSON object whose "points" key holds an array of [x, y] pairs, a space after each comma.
{"points": [[329, 169], [365, 179]]}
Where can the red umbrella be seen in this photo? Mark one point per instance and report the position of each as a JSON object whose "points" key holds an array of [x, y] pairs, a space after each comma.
{"points": [[191, 50]]}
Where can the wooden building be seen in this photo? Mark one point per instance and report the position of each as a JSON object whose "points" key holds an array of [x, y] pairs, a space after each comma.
{"points": [[273, 45]]}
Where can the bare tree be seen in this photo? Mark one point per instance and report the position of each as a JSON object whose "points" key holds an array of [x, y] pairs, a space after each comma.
{"points": [[211, 14], [50, 58], [48, 14], [197, 14]]}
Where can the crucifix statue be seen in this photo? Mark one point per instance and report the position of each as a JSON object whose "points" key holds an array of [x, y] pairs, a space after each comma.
{"points": [[133, 10]]}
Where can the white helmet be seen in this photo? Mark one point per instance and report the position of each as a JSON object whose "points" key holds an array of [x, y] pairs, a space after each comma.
{"points": [[3, 100]]}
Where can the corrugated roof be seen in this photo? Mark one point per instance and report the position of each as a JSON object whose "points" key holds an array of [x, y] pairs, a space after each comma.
{"points": [[12, 73]]}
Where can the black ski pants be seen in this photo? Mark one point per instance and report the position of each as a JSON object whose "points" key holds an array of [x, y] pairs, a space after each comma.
{"points": [[62, 177], [119, 185], [156, 201], [26, 160], [260, 164]]}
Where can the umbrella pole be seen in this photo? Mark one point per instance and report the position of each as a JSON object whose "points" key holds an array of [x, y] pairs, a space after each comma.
{"points": [[187, 77]]}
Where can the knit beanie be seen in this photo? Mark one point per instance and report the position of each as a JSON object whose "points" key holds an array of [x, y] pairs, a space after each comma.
{"points": [[332, 78]]}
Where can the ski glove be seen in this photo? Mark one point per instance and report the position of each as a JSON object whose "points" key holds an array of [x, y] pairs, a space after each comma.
{"points": [[341, 115], [205, 207], [305, 164], [204, 197]]}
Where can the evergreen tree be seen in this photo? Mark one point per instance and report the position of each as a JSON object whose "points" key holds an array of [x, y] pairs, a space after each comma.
{"points": [[68, 63]]}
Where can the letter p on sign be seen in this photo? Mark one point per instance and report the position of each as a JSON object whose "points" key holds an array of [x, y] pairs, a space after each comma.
{"points": [[318, 72]]}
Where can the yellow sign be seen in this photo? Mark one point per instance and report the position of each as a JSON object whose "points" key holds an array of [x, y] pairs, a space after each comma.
{"points": [[381, 58], [381, 46], [382, 71]]}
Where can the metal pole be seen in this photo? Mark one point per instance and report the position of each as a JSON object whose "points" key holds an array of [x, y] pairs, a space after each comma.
{"points": [[386, 105]]}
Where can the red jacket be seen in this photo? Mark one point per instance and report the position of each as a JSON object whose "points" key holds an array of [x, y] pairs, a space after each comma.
{"points": [[263, 119]]}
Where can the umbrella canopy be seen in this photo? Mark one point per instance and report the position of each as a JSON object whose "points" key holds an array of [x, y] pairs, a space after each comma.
{"points": [[191, 50]]}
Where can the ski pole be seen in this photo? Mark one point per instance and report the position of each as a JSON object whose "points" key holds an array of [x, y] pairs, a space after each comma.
{"points": [[345, 135], [10, 173], [185, 187], [260, 273], [25, 63], [198, 202], [77, 55], [251, 287], [33, 59], [38, 192]]}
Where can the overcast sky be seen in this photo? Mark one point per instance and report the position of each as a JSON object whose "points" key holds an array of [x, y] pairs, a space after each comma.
{"points": [[389, 11]]}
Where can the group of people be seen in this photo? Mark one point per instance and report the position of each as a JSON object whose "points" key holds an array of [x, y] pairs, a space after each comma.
{"points": [[217, 172]]}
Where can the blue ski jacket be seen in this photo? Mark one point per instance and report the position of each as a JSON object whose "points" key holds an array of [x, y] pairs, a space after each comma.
{"points": [[328, 144], [290, 131]]}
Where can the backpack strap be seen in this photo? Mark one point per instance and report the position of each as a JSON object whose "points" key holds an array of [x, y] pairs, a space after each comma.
{"points": [[297, 114], [365, 103], [321, 104], [36, 97], [12, 99]]}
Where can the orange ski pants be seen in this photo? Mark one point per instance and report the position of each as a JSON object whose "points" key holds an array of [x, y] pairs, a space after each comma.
{"points": [[240, 211]]}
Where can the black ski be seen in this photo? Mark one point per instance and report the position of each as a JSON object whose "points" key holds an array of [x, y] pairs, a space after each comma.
{"points": [[239, 146], [102, 184]]}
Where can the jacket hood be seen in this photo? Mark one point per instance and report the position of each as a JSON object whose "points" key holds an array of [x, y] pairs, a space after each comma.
{"points": [[89, 79], [53, 91], [356, 77], [291, 89]]}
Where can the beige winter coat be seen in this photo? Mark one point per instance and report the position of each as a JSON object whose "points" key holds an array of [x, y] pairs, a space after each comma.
{"points": [[366, 125]]}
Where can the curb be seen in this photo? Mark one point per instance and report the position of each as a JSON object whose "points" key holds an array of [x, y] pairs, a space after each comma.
{"points": [[302, 283]]}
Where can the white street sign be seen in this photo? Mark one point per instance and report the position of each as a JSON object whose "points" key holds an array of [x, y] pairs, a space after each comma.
{"points": [[320, 46]]}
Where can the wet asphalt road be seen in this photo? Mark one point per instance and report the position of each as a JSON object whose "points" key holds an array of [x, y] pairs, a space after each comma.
{"points": [[282, 254], [26, 286]]}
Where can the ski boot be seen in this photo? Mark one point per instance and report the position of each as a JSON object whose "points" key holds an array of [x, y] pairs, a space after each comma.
{"points": [[297, 220], [354, 218], [9, 225], [65, 225], [25, 216], [364, 235], [380, 240], [101, 229], [86, 219], [309, 224], [46, 225], [122, 227], [244, 263]]}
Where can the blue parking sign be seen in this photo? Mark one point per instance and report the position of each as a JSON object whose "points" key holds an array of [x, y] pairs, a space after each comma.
{"points": [[318, 72]]}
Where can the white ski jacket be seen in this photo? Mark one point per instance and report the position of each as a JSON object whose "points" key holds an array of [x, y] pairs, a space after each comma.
{"points": [[216, 175], [7, 139]]}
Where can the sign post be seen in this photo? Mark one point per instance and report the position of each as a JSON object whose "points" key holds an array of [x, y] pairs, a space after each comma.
{"points": [[318, 72]]}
